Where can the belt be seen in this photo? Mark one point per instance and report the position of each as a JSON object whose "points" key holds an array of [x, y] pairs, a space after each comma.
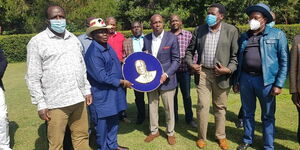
{"points": [[255, 73]]}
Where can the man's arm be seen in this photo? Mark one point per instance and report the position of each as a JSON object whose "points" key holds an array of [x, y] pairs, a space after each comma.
{"points": [[232, 65], [294, 65], [175, 59], [3, 63], [190, 51], [34, 75], [283, 56]]}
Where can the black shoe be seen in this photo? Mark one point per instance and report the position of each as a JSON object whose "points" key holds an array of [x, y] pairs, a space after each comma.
{"points": [[239, 123], [243, 146], [122, 148]]}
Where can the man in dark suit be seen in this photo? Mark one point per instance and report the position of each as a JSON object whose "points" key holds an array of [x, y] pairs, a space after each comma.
{"points": [[216, 44], [4, 124], [164, 46]]}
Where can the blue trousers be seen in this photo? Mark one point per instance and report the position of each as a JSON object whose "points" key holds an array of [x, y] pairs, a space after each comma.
{"points": [[106, 132], [184, 80], [250, 88]]}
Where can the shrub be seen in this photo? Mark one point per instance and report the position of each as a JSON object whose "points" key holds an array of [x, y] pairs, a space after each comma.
{"points": [[14, 46]]}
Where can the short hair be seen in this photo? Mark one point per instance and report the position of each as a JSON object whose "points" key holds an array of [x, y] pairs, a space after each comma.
{"points": [[132, 24], [173, 15], [49, 6], [221, 7], [159, 15], [111, 18]]}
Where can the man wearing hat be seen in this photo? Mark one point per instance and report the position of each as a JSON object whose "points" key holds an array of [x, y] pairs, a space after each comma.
{"points": [[105, 76], [261, 73], [83, 38], [216, 45]]}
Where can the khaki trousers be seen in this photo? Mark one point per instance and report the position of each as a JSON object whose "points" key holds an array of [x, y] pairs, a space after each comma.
{"points": [[168, 101], [206, 89], [77, 119]]}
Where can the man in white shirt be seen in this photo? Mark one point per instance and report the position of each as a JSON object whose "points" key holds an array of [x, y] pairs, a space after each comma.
{"points": [[164, 46], [56, 79]]}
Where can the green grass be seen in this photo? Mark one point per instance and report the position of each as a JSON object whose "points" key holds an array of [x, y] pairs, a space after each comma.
{"points": [[28, 131]]}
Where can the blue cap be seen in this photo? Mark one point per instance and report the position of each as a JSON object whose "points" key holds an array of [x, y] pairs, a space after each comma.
{"points": [[262, 8]]}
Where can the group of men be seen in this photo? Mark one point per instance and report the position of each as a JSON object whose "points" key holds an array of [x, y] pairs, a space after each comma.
{"points": [[66, 75]]}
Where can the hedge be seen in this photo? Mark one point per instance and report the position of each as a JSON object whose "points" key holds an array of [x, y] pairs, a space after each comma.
{"points": [[14, 46]]}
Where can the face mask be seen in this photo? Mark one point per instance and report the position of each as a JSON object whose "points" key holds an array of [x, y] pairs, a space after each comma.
{"points": [[254, 24], [271, 24], [211, 20], [58, 25]]}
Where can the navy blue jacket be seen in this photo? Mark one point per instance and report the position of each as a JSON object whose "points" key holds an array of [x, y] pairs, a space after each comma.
{"points": [[168, 55], [274, 55], [104, 74]]}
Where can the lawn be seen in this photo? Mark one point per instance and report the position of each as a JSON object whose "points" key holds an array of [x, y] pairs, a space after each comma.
{"points": [[28, 131]]}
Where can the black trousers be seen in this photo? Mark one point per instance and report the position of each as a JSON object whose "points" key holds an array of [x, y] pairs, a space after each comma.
{"points": [[140, 105]]}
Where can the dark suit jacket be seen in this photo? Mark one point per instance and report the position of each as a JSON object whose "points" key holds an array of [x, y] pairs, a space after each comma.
{"points": [[226, 52], [168, 55], [3, 65]]}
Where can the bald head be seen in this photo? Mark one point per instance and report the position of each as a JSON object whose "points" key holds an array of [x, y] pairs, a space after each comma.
{"points": [[52, 11], [157, 24]]}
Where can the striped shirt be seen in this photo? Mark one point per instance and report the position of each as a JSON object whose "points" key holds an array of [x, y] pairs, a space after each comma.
{"points": [[184, 39]]}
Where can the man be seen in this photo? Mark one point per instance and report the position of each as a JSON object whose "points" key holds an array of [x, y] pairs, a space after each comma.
{"points": [[183, 73], [216, 45], [239, 123], [83, 38], [56, 79], [262, 70], [164, 46], [115, 40], [135, 44], [4, 124], [105, 75], [294, 77]]}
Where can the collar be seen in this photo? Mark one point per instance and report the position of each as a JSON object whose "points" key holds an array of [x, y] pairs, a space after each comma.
{"points": [[159, 36], [86, 37], [52, 35], [141, 37], [100, 47], [265, 32], [210, 30]]}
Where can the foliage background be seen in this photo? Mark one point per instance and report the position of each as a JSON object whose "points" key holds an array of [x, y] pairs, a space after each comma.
{"points": [[28, 16]]}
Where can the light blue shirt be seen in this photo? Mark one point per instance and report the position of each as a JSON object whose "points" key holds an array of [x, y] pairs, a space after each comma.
{"points": [[138, 43], [85, 41]]}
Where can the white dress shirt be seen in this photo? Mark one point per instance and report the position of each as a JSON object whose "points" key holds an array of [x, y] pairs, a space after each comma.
{"points": [[156, 41], [56, 73]]}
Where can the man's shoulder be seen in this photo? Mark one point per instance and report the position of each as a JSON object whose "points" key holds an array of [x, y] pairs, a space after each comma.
{"points": [[170, 34], [40, 35], [229, 26]]}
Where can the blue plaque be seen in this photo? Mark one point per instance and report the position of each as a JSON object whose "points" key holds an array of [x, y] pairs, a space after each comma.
{"points": [[143, 71]]}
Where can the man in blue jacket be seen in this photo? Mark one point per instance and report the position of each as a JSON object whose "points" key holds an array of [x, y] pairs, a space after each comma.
{"points": [[105, 76], [262, 70]]}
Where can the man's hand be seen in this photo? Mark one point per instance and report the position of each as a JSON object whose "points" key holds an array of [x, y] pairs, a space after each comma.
{"points": [[197, 68], [88, 99], [163, 78], [44, 114], [275, 91], [221, 70], [296, 100], [126, 83], [236, 88]]}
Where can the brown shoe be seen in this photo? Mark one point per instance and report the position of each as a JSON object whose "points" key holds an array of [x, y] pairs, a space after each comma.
{"points": [[200, 143], [151, 137], [171, 140], [223, 144]]}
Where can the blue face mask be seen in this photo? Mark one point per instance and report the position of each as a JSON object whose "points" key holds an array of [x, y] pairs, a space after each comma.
{"points": [[271, 24], [211, 20], [58, 25]]}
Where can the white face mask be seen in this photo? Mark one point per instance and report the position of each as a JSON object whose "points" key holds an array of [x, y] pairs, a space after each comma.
{"points": [[254, 24]]}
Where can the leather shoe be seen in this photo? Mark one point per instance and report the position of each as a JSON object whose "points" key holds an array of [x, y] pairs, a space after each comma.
{"points": [[171, 140], [122, 148], [151, 137], [193, 124], [239, 123], [223, 144], [200, 143], [243, 146]]}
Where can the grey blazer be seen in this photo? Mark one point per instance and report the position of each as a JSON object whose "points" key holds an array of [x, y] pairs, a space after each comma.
{"points": [[168, 55], [226, 52]]}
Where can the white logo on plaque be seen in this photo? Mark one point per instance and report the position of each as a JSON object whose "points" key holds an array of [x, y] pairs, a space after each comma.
{"points": [[145, 76]]}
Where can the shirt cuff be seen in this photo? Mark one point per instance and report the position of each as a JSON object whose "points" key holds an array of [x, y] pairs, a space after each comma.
{"points": [[167, 75], [87, 92], [41, 106]]}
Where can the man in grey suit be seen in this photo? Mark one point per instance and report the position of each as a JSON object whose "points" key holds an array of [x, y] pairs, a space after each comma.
{"points": [[164, 46], [216, 44]]}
